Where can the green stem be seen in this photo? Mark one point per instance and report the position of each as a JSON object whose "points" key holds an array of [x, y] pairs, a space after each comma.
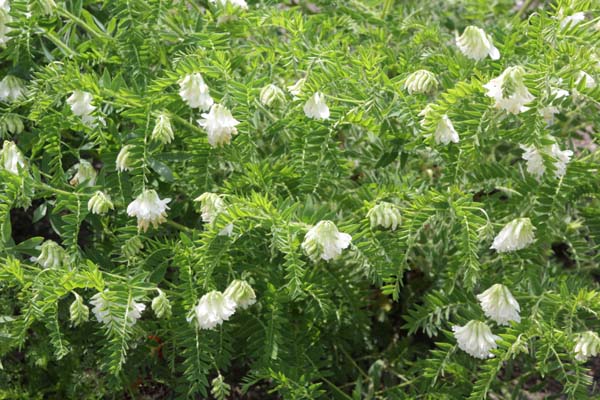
{"points": [[179, 226]]}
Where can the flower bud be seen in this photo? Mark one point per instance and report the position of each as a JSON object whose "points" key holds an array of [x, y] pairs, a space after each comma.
{"points": [[163, 132], [161, 305], [271, 94], [100, 203], [476, 44], [240, 292], [86, 173], [11, 89], [132, 247], [124, 161], [79, 312], [386, 215], [296, 88], [52, 255], [421, 81]]}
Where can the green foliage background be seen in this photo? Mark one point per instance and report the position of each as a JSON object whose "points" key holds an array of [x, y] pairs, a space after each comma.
{"points": [[374, 323]]}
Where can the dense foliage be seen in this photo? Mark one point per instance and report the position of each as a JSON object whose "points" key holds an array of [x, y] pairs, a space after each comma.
{"points": [[93, 305]]}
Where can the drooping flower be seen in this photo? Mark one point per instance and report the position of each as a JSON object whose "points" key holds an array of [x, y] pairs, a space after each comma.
{"points": [[86, 173], [103, 305], [499, 304], [570, 20], [81, 103], [509, 90], [123, 158], [535, 160], [296, 88], [588, 80], [325, 241], [241, 293], [100, 203], [421, 81], [476, 339], [52, 255], [212, 309], [475, 43], [548, 114], [149, 209], [211, 205], [195, 92], [316, 108], [11, 158], [11, 88], [78, 312], [219, 125], [588, 345], [271, 94], [161, 305], [445, 132], [386, 215], [515, 235], [163, 131], [236, 3]]}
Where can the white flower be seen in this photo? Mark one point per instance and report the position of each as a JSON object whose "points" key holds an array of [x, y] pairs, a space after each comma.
{"points": [[52, 255], [316, 107], [535, 160], [425, 113], [325, 241], [271, 94], [211, 205], [562, 157], [86, 173], [296, 88], [515, 235], [123, 162], [102, 309], [476, 339], [236, 3], [445, 132], [11, 158], [161, 305], [134, 312], [421, 81], [589, 81], [195, 92], [219, 125], [100, 203], [212, 309], [241, 293], [386, 215], [548, 113], [509, 90], [5, 19], [11, 88], [475, 43], [4, 5], [149, 209], [571, 20], [81, 103], [499, 304], [588, 345], [163, 131]]}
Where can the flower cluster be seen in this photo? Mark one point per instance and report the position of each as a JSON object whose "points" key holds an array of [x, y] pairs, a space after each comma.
{"points": [[11, 158], [516, 235], [509, 90], [149, 209], [325, 241], [215, 307], [81, 105], [476, 338], [211, 205]]}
